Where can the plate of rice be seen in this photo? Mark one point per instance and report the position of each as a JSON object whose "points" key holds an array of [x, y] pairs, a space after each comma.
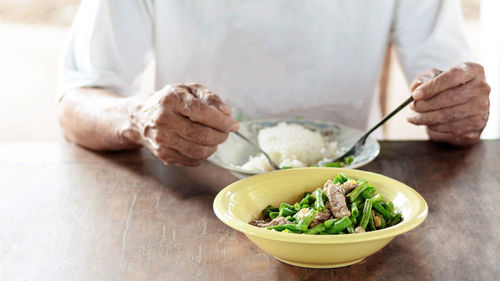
{"points": [[291, 144]]}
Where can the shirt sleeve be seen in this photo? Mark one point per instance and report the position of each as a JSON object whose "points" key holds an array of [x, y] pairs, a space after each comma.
{"points": [[428, 33], [109, 46]]}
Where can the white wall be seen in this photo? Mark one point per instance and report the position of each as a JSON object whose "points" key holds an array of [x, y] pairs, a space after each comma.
{"points": [[489, 57]]}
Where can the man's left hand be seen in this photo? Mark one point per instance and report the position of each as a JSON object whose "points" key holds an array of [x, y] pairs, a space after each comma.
{"points": [[454, 105]]}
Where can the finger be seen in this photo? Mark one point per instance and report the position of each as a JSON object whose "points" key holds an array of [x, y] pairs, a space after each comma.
{"points": [[475, 123], [424, 77], [191, 107], [171, 156], [448, 114], [209, 98], [192, 131], [447, 98], [457, 140], [451, 78], [186, 148]]}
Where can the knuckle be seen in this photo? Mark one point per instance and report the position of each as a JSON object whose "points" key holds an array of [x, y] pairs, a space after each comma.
{"points": [[434, 70], [457, 70], [484, 117], [478, 123], [484, 87], [212, 98], [474, 66], [193, 85], [171, 97], [205, 136], [484, 105]]}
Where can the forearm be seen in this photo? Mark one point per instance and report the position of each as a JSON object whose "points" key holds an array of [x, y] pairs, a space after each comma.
{"points": [[96, 119]]}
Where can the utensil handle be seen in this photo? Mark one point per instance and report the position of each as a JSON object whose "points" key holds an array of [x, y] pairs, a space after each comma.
{"points": [[387, 117]]}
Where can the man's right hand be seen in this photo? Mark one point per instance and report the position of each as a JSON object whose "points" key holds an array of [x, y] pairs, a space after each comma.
{"points": [[181, 124]]}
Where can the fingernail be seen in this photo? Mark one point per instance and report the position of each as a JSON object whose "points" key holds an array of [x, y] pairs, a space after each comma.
{"points": [[471, 135], [225, 109], [235, 127]]}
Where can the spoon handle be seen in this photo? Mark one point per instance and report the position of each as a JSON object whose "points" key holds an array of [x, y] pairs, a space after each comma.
{"points": [[271, 162]]}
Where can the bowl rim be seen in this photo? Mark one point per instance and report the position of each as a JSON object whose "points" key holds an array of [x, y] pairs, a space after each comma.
{"points": [[228, 166], [389, 232]]}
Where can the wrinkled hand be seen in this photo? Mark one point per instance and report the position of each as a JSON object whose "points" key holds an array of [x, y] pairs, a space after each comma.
{"points": [[181, 124], [453, 105]]}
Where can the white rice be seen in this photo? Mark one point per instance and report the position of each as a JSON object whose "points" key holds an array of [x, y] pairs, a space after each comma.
{"points": [[290, 145]]}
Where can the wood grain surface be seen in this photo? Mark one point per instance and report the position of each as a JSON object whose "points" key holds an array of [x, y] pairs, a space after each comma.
{"points": [[71, 214]]}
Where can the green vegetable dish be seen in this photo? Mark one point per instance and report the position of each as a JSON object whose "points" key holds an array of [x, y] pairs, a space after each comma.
{"points": [[342, 206], [338, 164]]}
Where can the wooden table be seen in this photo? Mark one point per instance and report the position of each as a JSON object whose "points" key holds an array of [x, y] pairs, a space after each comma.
{"points": [[70, 214]]}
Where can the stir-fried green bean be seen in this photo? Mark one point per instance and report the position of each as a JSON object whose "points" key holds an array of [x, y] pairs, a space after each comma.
{"points": [[371, 223], [376, 198], [273, 215], [304, 201], [377, 206], [389, 206], [357, 191], [350, 229], [353, 219], [368, 192], [269, 209], [319, 204], [330, 222], [367, 213], [308, 218], [333, 164], [317, 229], [367, 208], [348, 160], [290, 226], [340, 179], [396, 219], [286, 210], [354, 209], [339, 226]]}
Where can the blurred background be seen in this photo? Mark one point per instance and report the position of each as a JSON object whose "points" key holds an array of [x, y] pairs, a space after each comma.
{"points": [[33, 35]]}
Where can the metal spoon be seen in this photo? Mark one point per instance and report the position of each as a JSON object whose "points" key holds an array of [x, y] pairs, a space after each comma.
{"points": [[273, 164], [361, 141]]}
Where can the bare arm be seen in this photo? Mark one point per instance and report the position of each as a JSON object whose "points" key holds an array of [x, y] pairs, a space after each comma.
{"points": [[181, 124], [96, 119]]}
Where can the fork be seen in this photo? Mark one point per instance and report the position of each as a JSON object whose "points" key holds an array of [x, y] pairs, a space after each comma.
{"points": [[361, 141]]}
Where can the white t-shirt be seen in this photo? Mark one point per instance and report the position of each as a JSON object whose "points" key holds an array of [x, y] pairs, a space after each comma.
{"points": [[319, 60]]}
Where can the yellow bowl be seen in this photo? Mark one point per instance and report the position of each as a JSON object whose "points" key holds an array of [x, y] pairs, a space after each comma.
{"points": [[243, 201]]}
